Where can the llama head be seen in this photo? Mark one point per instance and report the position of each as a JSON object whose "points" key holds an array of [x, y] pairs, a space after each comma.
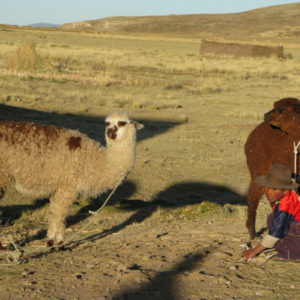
{"points": [[119, 126], [285, 115]]}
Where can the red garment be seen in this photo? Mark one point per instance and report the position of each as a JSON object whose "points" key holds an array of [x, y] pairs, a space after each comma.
{"points": [[290, 203], [286, 210]]}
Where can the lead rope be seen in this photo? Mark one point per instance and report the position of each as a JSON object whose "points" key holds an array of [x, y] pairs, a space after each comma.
{"points": [[295, 159], [15, 257]]}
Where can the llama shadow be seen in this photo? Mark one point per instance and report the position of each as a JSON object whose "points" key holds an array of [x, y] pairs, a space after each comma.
{"points": [[163, 285], [179, 195], [93, 127], [10, 213], [124, 191]]}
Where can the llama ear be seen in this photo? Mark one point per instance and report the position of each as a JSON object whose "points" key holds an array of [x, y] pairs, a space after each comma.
{"points": [[137, 125]]}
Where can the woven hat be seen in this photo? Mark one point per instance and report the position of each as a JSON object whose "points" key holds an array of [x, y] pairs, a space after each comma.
{"points": [[278, 177]]}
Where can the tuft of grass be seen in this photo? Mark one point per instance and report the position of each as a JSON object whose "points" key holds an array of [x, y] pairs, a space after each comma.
{"points": [[189, 212], [197, 210], [26, 57], [32, 219]]}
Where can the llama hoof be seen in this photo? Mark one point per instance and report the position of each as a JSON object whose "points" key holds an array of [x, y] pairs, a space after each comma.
{"points": [[50, 243], [2, 247]]}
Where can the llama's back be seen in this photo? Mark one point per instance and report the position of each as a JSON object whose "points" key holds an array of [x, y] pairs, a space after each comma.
{"points": [[266, 145], [37, 157]]}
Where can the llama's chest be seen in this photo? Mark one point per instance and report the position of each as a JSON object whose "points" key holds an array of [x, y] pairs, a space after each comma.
{"points": [[94, 185]]}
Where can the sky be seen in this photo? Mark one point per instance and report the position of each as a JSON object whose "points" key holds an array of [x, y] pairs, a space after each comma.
{"points": [[26, 12]]}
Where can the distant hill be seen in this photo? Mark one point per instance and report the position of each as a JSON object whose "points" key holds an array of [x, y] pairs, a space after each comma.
{"points": [[44, 25], [264, 22]]}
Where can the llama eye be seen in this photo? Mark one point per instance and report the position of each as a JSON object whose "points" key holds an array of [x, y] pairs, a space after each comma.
{"points": [[107, 123], [122, 123]]}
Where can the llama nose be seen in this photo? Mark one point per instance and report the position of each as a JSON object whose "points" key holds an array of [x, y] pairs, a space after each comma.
{"points": [[111, 132]]}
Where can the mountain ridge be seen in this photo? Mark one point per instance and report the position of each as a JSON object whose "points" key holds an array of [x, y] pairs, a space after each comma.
{"points": [[258, 21], [43, 24]]}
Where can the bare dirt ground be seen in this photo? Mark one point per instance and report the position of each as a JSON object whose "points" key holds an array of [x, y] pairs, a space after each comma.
{"points": [[129, 256]]}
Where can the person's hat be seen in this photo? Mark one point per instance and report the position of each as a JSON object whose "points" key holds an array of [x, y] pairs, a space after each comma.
{"points": [[278, 177]]}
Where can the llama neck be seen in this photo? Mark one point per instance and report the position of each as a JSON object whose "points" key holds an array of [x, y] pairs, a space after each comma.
{"points": [[121, 156], [105, 172]]}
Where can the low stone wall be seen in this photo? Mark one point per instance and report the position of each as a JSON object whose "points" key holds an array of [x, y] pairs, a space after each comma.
{"points": [[238, 50]]}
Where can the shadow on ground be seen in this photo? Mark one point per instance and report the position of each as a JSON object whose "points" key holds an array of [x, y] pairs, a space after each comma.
{"points": [[163, 285], [179, 195], [10, 213], [92, 126]]}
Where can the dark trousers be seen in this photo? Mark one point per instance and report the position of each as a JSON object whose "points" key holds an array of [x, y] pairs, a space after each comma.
{"points": [[289, 246]]}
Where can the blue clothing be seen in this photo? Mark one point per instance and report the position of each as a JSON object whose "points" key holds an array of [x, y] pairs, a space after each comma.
{"points": [[286, 210], [284, 224]]}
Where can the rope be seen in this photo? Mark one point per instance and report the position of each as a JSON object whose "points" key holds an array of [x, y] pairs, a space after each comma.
{"points": [[16, 256], [94, 215], [295, 158], [12, 257]]}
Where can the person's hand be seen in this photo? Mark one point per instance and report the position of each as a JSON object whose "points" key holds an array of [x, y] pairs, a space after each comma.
{"points": [[253, 252], [248, 254]]}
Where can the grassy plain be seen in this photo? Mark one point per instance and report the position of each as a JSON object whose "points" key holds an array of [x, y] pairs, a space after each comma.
{"points": [[198, 111]]}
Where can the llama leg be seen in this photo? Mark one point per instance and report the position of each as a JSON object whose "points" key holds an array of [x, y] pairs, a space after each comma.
{"points": [[254, 194], [5, 179], [60, 204], [51, 233]]}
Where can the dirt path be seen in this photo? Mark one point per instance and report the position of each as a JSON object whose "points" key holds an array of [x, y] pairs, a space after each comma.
{"points": [[156, 259]]}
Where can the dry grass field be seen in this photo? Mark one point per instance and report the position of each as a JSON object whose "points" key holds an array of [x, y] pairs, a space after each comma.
{"points": [[173, 229]]}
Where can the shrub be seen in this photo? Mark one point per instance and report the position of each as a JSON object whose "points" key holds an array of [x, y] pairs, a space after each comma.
{"points": [[25, 57]]}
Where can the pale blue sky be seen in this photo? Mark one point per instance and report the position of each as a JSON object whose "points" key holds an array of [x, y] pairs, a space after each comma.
{"points": [[24, 12]]}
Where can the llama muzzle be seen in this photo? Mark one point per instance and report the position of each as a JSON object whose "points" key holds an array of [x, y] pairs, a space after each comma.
{"points": [[112, 132]]}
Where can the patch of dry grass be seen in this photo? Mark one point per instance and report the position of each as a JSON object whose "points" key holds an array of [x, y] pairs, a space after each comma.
{"points": [[26, 57]]}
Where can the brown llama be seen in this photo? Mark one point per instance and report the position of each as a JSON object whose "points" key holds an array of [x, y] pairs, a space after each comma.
{"points": [[271, 142]]}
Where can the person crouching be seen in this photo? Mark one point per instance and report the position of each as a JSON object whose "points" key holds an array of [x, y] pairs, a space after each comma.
{"points": [[284, 221]]}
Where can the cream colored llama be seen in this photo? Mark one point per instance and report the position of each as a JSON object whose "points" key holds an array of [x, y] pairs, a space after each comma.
{"points": [[46, 161]]}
